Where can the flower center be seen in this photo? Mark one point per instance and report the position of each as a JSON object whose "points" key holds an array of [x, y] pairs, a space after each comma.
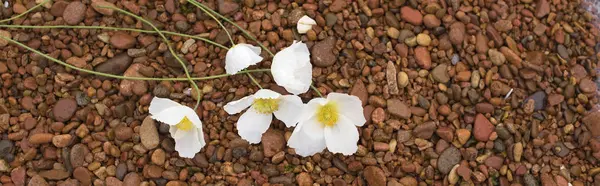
{"points": [[185, 124], [266, 105], [328, 114]]}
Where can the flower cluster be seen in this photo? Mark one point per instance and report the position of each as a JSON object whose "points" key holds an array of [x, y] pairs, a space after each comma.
{"points": [[321, 123]]}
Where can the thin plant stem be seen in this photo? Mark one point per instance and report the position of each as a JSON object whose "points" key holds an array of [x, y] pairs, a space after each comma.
{"points": [[204, 7], [212, 16], [187, 73], [115, 28], [125, 77], [254, 80], [237, 26], [22, 14]]}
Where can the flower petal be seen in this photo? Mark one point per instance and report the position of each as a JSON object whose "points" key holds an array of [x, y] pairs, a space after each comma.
{"points": [[172, 115], [308, 138], [342, 137], [266, 93], [310, 108], [350, 106], [289, 106], [291, 68], [189, 143], [305, 24], [241, 56], [237, 106], [251, 125], [159, 104]]}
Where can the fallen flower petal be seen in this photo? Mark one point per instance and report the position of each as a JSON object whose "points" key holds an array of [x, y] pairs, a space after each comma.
{"points": [[291, 68], [305, 24], [241, 56]]}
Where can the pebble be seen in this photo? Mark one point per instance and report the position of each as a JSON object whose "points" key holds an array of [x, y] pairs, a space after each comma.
{"points": [[122, 40], [158, 157], [359, 90], [82, 175], [494, 162], [511, 56], [431, 21], [18, 176], [587, 86], [391, 75], [337, 5], [457, 33], [440, 73], [273, 142], [6, 148], [393, 32], [62, 140], [54, 174], [539, 99], [562, 51], [449, 157], [425, 130], [411, 15], [74, 13], [592, 122], [132, 178], [398, 108], [304, 179], [149, 133], [77, 155], [172, 62], [40, 138], [423, 57], [227, 7], [64, 109], [542, 8], [402, 79], [517, 151], [555, 99], [463, 135], [123, 133], [375, 176], [116, 65], [484, 108], [530, 180], [481, 44], [5, 34], [496, 57], [37, 180], [482, 128], [134, 52], [423, 39], [104, 11], [322, 52]]}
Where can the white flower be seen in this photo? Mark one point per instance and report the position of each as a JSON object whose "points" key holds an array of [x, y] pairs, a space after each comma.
{"points": [[328, 123], [305, 24], [241, 56], [186, 127], [263, 104], [291, 68]]}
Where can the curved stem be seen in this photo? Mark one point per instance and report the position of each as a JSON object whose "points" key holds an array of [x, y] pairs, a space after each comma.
{"points": [[212, 16], [254, 80], [115, 28], [125, 77], [22, 14], [187, 73]]}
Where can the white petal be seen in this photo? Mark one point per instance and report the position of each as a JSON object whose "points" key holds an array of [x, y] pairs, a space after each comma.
{"points": [[307, 138], [189, 143], [159, 104], [342, 137], [266, 94], [172, 115], [237, 106], [251, 125], [291, 68], [289, 107], [350, 106], [241, 56], [304, 24]]}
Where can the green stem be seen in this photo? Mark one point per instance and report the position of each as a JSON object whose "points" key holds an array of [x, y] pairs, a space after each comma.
{"points": [[237, 26], [22, 14], [212, 16], [115, 28], [254, 80], [187, 73], [125, 77]]}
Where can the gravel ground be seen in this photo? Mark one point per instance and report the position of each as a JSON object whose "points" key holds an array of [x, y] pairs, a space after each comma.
{"points": [[479, 92]]}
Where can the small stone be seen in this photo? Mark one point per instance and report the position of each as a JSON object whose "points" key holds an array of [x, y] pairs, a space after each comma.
{"points": [[423, 39], [496, 57], [116, 65], [54, 174], [440, 73], [511, 56], [482, 128], [122, 40], [18, 176], [530, 180], [227, 6], [158, 157], [481, 44], [542, 8], [5, 34], [123, 133], [74, 13], [402, 79], [411, 15], [457, 33], [273, 142], [134, 52], [62, 140], [562, 51], [322, 52], [494, 162], [431, 21], [337, 5], [375, 176], [77, 155], [40, 138], [445, 133], [423, 57], [449, 157], [132, 179], [37, 180], [82, 175], [425, 130], [64, 109], [359, 90], [398, 108], [555, 99], [484, 108], [97, 5], [149, 133], [587, 86], [517, 151], [391, 75], [463, 135], [393, 32], [304, 179]]}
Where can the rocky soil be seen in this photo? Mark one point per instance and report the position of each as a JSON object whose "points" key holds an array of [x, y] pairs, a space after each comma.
{"points": [[483, 92]]}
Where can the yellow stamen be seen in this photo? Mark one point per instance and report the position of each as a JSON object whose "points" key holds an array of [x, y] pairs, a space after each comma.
{"points": [[266, 105], [185, 124], [328, 114]]}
